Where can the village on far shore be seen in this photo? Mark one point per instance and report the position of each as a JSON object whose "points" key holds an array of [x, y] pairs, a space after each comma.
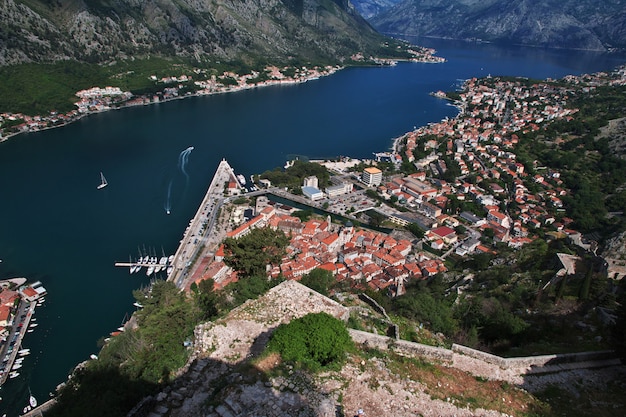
{"points": [[99, 99]]}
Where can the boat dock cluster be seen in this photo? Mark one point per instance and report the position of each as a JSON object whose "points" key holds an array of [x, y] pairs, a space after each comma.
{"points": [[20, 321], [198, 235], [152, 264]]}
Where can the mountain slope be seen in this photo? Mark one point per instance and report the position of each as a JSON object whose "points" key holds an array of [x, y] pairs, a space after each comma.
{"points": [[248, 30], [586, 24]]}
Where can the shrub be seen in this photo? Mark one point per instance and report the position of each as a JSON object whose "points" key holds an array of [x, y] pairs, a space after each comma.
{"points": [[314, 341]]}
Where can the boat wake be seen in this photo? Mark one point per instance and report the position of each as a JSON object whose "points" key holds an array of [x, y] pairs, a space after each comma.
{"points": [[183, 158], [168, 203]]}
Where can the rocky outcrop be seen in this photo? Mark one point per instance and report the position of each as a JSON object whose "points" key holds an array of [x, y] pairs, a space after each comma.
{"points": [[589, 24], [226, 377], [102, 31]]}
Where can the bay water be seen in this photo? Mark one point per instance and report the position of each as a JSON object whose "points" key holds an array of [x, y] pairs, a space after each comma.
{"points": [[57, 228]]}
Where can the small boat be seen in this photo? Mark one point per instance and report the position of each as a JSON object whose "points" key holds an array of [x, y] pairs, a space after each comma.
{"points": [[103, 181], [133, 267], [136, 304], [94, 357], [23, 352], [31, 399], [241, 179], [16, 366], [14, 374], [32, 325], [150, 270]]}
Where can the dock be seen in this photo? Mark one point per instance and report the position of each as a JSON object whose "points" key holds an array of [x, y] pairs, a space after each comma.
{"points": [[18, 335], [200, 233]]}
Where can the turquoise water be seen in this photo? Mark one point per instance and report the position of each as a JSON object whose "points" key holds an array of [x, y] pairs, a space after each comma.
{"points": [[57, 228]]}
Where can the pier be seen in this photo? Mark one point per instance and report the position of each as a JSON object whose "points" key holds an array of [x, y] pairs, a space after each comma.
{"points": [[11, 351], [202, 231]]}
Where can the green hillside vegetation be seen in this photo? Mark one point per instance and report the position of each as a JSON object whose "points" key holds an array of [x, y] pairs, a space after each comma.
{"points": [[294, 176], [315, 341]]}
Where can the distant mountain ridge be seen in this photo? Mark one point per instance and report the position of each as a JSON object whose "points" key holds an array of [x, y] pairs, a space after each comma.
{"points": [[573, 24], [105, 30]]}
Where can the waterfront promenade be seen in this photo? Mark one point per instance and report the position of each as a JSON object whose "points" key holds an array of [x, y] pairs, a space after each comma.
{"points": [[202, 235], [17, 334]]}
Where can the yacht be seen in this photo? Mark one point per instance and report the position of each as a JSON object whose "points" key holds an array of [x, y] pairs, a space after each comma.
{"points": [[32, 400], [103, 182]]}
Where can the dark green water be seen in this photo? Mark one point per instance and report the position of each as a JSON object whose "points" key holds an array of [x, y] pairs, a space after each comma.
{"points": [[57, 228]]}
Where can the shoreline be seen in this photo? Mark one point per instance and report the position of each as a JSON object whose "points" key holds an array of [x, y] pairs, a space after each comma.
{"points": [[395, 146], [199, 93], [76, 115]]}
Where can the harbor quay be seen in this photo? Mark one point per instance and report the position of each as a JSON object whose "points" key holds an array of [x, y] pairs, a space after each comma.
{"points": [[202, 236], [19, 325]]}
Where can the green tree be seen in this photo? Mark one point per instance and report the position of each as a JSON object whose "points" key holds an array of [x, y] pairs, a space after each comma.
{"points": [[375, 217], [586, 285], [315, 341], [206, 298], [319, 280], [416, 230], [250, 254]]}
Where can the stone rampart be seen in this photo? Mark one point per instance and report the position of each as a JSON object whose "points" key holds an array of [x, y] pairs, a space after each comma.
{"points": [[407, 348], [402, 347], [395, 330], [534, 361]]}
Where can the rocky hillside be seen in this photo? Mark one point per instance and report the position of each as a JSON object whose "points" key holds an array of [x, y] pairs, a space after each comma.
{"points": [[575, 24], [247, 30], [371, 8], [228, 376]]}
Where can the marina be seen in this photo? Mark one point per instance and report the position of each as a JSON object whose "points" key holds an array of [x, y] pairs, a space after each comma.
{"points": [[11, 352], [200, 233]]}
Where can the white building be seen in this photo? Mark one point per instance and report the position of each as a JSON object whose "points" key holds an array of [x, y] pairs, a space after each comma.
{"points": [[340, 189], [372, 176], [313, 193], [311, 181]]}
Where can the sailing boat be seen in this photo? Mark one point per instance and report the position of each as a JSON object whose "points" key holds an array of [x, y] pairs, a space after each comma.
{"points": [[103, 181], [32, 400]]}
